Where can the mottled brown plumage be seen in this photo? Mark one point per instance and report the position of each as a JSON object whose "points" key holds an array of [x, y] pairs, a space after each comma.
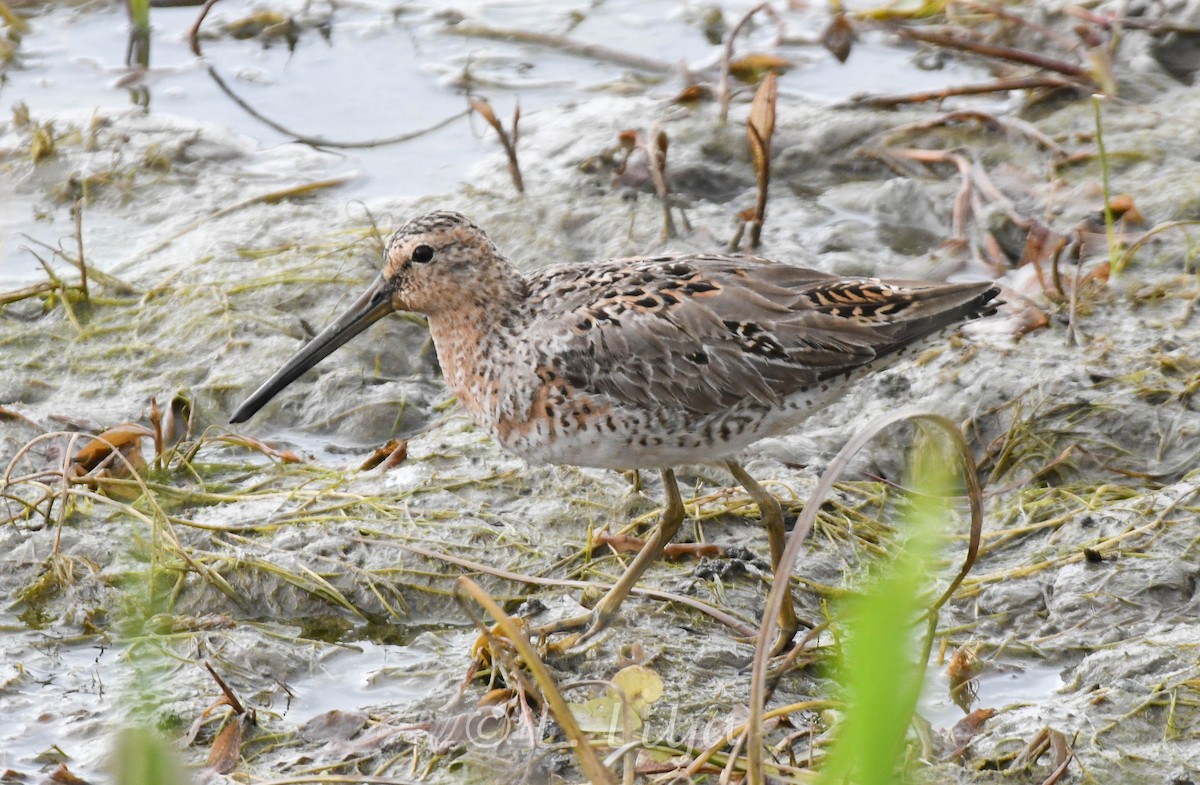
{"points": [[640, 362]]}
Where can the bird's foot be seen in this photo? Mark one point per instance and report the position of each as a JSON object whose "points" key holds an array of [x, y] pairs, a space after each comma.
{"points": [[783, 641], [590, 624]]}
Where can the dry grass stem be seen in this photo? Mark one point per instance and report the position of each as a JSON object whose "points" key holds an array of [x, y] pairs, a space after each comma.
{"points": [[724, 94], [563, 44], [592, 766], [509, 142]]}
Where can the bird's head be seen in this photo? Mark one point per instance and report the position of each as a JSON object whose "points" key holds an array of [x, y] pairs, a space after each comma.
{"points": [[436, 264]]}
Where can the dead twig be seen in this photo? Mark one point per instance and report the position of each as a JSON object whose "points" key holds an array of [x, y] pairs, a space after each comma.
{"points": [[1008, 53], [591, 764], [994, 10], [562, 44], [320, 141], [484, 110], [194, 33], [1110, 21], [1004, 124], [998, 86], [724, 95], [230, 696]]}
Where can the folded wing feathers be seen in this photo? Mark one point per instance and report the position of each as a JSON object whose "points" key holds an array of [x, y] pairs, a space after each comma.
{"points": [[715, 331]]}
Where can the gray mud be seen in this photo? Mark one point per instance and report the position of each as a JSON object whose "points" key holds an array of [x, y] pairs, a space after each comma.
{"points": [[310, 586]]}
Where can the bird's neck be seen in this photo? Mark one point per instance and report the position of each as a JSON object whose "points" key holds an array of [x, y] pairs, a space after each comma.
{"points": [[475, 336]]}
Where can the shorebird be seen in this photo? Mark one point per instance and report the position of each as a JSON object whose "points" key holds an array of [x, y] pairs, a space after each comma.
{"points": [[645, 362]]}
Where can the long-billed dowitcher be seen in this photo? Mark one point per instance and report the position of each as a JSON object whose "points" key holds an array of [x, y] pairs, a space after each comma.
{"points": [[641, 362]]}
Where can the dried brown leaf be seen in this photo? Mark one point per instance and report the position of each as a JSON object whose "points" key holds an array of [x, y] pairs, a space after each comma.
{"points": [[1062, 756], [1123, 206], [677, 551], [1041, 243], [1029, 319], [965, 730], [484, 109], [397, 456], [693, 94], [762, 109], [760, 127], [497, 696], [126, 438], [226, 748], [753, 67], [961, 671], [621, 543], [624, 543], [379, 455], [962, 666], [838, 36], [974, 721], [64, 776]]}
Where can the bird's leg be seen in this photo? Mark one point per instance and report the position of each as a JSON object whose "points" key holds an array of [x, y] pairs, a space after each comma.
{"points": [[606, 608], [772, 518]]}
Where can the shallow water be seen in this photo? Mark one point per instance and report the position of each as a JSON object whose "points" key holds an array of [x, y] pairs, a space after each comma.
{"points": [[362, 675], [58, 694], [369, 72], [1000, 685]]}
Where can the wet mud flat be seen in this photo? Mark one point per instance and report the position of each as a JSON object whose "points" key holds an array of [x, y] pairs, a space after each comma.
{"points": [[322, 592]]}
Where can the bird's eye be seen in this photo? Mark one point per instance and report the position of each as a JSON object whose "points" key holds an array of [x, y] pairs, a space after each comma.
{"points": [[422, 254]]}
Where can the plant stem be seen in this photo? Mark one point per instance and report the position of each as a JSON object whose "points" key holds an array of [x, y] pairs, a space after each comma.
{"points": [[1114, 257]]}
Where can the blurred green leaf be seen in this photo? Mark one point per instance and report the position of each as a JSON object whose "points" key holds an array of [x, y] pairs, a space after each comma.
{"points": [[142, 757], [880, 671]]}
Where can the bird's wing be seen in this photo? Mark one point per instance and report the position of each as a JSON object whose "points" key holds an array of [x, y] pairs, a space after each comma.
{"points": [[704, 332]]}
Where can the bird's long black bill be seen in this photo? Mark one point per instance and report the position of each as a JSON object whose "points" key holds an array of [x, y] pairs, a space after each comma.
{"points": [[371, 306]]}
